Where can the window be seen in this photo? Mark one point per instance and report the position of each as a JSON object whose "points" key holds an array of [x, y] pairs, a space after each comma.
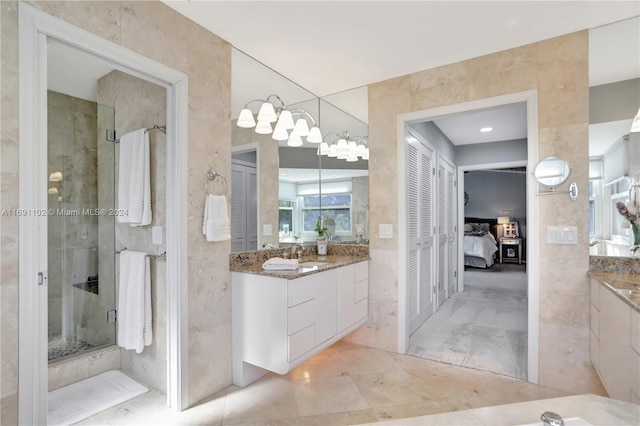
{"points": [[334, 206], [285, 214]]}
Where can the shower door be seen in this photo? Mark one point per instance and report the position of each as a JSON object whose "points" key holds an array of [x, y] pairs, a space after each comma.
{"points": [[81, 242]]}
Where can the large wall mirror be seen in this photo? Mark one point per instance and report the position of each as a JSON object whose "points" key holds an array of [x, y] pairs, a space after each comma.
{"points": [[278, 190], [614, 151]]}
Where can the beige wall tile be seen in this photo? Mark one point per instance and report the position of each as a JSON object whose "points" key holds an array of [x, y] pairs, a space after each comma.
{"points": [[558, 69], [156, 31]]}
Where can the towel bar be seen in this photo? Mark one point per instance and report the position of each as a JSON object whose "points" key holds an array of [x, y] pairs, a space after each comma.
{"points": [[161, 257], [211, 176]]}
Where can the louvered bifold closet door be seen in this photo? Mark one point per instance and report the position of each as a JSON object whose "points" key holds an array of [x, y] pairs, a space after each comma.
{"points": [[420, 232], [451, 234], [252, 207], [442, 276], [238, 210]]}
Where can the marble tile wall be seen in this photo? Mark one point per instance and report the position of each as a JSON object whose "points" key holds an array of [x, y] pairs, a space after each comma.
{"points": [[156, 31], [558, 70], [140, 104]]}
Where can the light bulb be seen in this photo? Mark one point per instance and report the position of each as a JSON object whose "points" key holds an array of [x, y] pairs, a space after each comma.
{"points": [[263, 127], [301, 127], [267, 113], [294, 140], [314, 135], [245, 119], [280, 133], [285, 120]]}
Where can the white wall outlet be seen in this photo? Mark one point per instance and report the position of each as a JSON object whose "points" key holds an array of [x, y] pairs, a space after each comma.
{"points": [[562, 235], [156, 235], [266, 230], [386, 230]]}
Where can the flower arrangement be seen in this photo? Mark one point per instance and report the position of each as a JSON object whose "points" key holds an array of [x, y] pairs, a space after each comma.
{"points": [[632, 218], [624, 211]]}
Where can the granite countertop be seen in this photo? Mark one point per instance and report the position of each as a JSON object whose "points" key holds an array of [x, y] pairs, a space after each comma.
{"points": [[624, 285], [594, 409], [320, 264]]}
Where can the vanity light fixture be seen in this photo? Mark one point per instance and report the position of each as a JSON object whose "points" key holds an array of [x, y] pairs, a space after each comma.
{"points": [[344, 147], [486, 129], [635, 125], [274, 110]]}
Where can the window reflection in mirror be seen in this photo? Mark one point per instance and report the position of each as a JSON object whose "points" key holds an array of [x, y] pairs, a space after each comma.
{"points": [[614, 152]]}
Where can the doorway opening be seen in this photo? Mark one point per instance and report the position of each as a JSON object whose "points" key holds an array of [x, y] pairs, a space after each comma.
{"points": [[500, 160]]}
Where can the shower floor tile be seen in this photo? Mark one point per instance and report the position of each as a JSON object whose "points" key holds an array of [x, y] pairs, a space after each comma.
{"points": [[58, 348]]}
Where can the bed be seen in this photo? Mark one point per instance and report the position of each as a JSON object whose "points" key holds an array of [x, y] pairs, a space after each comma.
{"points": [[480, 243]]}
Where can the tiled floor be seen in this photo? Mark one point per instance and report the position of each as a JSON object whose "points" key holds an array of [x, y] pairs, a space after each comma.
{"points": [[345, 384]]}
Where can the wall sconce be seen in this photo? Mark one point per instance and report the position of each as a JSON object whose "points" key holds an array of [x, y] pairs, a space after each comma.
{"points": [[344, 147], [278, 113]]}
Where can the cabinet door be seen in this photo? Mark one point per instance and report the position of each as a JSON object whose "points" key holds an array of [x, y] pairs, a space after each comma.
{"points": [[352, 296], [615, 346]]}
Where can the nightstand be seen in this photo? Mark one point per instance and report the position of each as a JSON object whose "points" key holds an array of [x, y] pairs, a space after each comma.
{"points": [[511, 249]]}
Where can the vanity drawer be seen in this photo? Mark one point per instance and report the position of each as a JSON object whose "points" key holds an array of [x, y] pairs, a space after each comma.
{"points": [[302, 290], [361, 290], [301, 342], [362, 271], [301, 316]]}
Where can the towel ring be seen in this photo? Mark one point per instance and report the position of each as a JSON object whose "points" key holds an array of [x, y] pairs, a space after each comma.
{"points": [[211, 176]]}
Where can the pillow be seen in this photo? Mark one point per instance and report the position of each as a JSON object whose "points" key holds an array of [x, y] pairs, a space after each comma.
{"points": [[468, 227], [477, 227]]}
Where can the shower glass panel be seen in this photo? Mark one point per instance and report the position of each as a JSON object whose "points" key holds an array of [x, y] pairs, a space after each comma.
{"points": [[81, 237]]}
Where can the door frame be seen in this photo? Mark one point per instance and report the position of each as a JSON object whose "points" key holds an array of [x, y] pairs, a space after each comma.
{"points": [[530, 97], [35, 27]]}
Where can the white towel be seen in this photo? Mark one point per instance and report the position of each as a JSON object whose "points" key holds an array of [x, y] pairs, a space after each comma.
{"points": [[280, 264], [134, 301], [134, 179], [215, 225]]}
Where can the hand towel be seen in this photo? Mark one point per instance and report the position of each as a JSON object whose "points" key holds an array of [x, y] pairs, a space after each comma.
{"points": [[215, 225], [134, 301], [280, 264], [134, 179]]}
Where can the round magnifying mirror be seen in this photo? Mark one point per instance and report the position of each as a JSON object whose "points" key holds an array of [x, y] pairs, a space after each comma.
{"points": [[552, 171]]}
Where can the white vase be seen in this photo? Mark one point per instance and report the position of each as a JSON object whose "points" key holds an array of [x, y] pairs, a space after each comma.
{"points": [[322, 247]]}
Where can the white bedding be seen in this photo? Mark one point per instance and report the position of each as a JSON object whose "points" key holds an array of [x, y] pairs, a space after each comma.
{"points": [[483, 247]]}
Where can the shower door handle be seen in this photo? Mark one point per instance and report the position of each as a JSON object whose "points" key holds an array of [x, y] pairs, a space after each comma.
{"points": [[43, 278]]}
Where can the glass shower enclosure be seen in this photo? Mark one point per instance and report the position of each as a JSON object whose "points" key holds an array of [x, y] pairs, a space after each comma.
{"points": [[81, 232]]}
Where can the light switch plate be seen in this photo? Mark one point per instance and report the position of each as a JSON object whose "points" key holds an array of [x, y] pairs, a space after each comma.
{"points": [[266, 230], [386, 230], [562, 235]]}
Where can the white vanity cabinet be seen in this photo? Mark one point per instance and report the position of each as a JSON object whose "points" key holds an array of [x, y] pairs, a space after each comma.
{"points": [[278, 323], [615, 344]]}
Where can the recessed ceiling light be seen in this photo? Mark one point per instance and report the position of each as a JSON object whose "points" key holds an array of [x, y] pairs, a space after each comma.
{"points": [[486, 129]]}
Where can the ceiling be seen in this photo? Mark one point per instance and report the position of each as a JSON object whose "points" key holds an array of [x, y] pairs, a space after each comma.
{"points": [[334, 49]]}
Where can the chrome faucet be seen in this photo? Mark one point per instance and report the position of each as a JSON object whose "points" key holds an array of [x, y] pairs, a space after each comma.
{"points": [[293, 251]]}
